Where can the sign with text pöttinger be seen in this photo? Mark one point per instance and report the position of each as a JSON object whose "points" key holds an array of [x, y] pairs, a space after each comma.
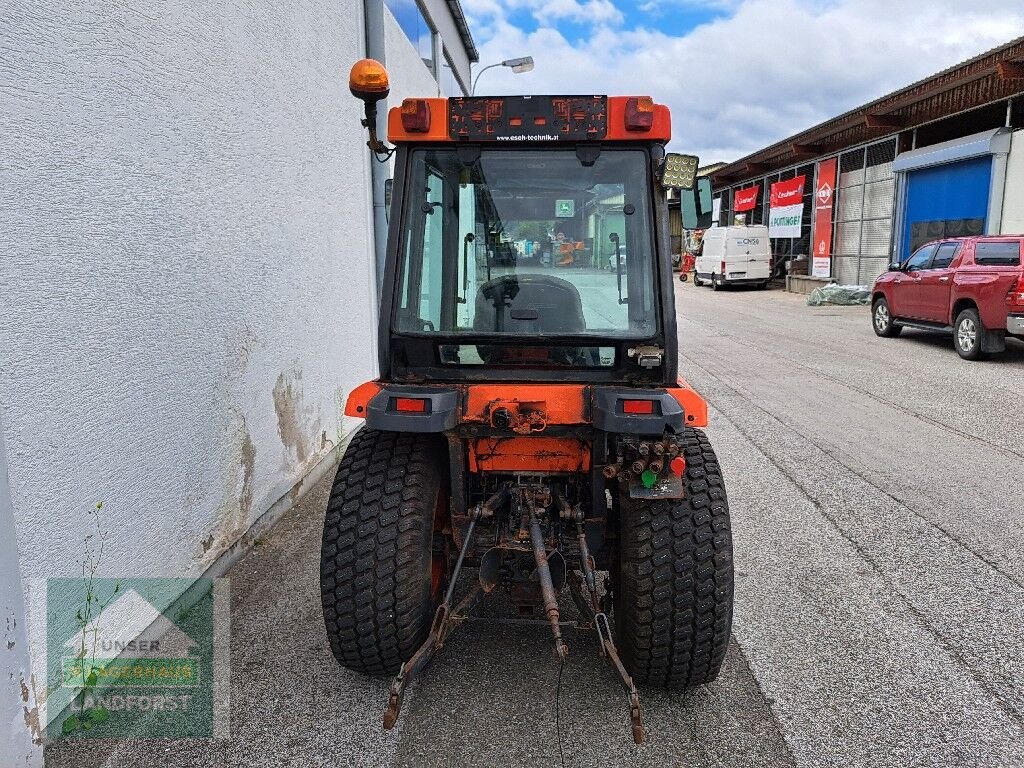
{"points": [[786, 212]]}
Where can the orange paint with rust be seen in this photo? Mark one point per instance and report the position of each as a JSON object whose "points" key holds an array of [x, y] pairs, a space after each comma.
{"points": [[560, 403], [694, 406], [360, 397], [528, 454]]}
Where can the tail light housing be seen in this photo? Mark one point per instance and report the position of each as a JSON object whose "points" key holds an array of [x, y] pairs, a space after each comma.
{"points": [[638, 407], [410, 405], [416, 115], [723, 268], [1015, 298], [639, 113]]}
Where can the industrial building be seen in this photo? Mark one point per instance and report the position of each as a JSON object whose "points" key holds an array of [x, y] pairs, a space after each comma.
{"points": [[939, 158]]}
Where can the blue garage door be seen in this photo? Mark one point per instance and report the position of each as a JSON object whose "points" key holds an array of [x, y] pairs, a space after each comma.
{"points": [[946, 201]]}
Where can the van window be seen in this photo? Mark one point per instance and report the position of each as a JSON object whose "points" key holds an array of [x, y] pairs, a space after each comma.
{"points": [[1003, 254]]}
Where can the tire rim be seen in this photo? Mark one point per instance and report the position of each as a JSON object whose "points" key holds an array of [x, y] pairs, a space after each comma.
{"points": [[967, 334], [881, 317]]}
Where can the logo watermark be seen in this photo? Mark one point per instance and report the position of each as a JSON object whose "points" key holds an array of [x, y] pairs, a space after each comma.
{"points": [[137, 658]]}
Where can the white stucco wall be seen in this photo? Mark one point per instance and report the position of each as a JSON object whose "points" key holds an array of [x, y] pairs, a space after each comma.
{"points": [[185, 268], [1013, 193]]}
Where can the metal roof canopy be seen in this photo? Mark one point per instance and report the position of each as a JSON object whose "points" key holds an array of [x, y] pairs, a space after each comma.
{"points": [[990, 77], [991, 142]]}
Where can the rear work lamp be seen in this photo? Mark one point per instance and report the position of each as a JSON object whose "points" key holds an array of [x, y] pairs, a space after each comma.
{"points": [[679, 171]]}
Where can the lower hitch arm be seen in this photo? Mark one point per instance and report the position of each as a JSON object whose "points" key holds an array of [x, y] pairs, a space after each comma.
{"points": [[604, 633], [439, 627]]}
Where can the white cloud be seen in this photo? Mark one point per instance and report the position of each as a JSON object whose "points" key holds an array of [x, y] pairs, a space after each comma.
{"points": [[765, 71]]}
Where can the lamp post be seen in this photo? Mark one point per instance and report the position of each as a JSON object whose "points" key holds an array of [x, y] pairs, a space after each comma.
{"points": [[520, 65]]}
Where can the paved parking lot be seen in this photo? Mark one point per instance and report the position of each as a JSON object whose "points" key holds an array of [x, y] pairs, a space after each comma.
{"points": [[878, 519]]}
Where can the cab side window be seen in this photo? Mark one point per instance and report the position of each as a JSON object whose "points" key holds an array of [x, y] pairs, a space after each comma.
{"points": [[921, 259], [944, 255]]}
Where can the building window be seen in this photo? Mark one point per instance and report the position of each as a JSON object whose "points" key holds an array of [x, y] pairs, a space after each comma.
{"points": [[410, 18], [449, 82]]}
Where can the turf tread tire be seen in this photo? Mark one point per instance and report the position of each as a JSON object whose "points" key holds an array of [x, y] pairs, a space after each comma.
{"points": [[375, 557], [674, 593]]}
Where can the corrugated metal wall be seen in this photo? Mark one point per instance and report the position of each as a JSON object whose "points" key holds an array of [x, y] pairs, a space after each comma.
{"points": [[862, 242]]}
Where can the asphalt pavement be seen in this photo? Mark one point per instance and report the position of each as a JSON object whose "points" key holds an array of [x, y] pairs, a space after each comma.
{"points": [[878, 521]]}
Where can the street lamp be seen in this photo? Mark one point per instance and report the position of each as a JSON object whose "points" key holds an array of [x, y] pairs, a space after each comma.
{"points": [[522, 64]]}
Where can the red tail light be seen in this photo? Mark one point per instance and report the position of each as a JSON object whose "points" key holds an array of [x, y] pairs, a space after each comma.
{"points": [[723, 269], [639, 113], [410, 405], [1015, 298], [416, 115], [638, 407]]}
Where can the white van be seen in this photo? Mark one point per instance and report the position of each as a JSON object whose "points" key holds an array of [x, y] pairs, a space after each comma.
{"points": [[734, 256]]}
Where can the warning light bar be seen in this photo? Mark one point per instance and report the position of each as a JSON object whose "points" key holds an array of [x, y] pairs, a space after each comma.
{"points": [[530, 119]]}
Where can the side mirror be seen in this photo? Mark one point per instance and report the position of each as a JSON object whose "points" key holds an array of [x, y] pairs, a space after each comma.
{"points": [[894, 267], [696, 205]]}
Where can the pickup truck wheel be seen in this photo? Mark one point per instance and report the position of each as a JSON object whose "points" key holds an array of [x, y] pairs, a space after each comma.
{"points": [[882, 321], [967, 335], [673, 586], [382, 565]]}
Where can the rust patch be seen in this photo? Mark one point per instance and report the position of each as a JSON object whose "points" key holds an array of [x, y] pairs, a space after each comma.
{"points": [[288, 404]]}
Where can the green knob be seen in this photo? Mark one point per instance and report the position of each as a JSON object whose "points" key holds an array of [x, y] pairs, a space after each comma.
{"points": [[648, 478]]}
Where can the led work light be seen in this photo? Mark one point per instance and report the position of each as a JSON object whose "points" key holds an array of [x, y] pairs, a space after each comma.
{"points": [[679, 171]]}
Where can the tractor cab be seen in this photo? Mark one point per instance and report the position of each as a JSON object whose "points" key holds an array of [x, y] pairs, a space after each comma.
{"points": [[530, 240], [529, 421]]}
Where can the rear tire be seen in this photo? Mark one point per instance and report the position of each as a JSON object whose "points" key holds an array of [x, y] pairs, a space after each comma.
{"points": [[697, 281], [682, 278], [674, 592], [381, 569], [968, 334], [717, 283]]}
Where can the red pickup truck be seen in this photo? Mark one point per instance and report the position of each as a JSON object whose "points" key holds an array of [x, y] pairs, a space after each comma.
{"points": [[970, 286]]}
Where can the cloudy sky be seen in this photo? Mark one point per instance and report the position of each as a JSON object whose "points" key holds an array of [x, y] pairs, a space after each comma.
{"points": [[738, 74]]}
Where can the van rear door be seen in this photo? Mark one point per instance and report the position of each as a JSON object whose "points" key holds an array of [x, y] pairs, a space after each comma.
{"points": [[747, 254]]}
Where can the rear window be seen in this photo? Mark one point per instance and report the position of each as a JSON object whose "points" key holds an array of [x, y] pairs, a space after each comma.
{"points": [[1004, 254]]}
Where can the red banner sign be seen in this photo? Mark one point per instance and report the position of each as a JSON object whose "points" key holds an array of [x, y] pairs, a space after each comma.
{"points": [[745, 199], [824, 191], [789, 192]]}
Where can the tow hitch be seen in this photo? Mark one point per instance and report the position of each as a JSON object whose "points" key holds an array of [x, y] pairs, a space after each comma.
{"points": [[529, 538]]}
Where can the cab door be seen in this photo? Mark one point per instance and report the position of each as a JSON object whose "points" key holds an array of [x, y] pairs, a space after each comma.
{"points": [[904, 299], [934, 289]]}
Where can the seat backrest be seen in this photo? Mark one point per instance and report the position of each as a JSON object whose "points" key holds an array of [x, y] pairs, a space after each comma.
{"points": [[529, 304]]}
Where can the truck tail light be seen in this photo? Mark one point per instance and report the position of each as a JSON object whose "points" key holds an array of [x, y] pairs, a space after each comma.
{"points": [[638, 407], [416, 115], [1015, 298], [723, 269], [639, 113], [410, 405]]}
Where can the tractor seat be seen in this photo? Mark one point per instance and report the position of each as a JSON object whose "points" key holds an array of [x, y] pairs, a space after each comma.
{"points": [[529, 304]]}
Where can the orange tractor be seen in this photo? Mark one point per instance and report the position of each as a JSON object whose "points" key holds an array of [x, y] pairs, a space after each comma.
{"points": [[528, 425]]}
